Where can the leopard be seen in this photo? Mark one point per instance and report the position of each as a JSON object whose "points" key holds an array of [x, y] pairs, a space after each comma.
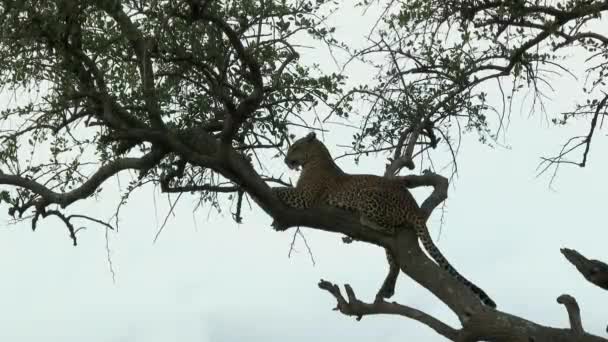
{"points": [[383, 204]]}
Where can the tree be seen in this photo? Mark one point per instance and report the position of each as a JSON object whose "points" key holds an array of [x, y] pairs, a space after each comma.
{"points": [[196, 94]]}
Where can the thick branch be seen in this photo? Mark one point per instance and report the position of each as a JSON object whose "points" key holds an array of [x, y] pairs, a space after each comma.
{"points": [[479, 323], [355, 307], [594, 271]]}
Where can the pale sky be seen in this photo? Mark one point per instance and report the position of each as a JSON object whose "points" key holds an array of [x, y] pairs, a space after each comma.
{"points": [[209, 279]]}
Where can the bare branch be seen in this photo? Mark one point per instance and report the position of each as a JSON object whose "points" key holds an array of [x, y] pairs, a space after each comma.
{"points": [[92, 219], [598, 109], [357, 308], [440, 186], [594, 271], [66, 221]]}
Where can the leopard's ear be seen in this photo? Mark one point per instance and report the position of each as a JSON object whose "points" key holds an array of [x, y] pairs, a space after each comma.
{"points": [[311, 136]]}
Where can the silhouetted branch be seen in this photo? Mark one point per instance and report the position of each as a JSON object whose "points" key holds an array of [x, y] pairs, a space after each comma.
{"points": [[67, 220], [142, 49], [357, 308], [600, 106], [594, 271], [62, 217], [47, 196], [237, 115]]}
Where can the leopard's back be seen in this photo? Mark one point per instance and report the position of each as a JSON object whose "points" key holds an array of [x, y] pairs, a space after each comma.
{"points": [[387, 202]]}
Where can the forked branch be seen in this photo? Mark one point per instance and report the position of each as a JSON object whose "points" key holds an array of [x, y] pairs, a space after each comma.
{"points": [[354, 307]]}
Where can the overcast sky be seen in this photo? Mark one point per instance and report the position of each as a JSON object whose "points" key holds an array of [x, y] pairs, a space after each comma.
{"points": [[209, 279]]}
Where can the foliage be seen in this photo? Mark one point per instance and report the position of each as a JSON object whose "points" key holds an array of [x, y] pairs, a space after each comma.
{"points": [[441, 57], [153, 64], [195, 95]]}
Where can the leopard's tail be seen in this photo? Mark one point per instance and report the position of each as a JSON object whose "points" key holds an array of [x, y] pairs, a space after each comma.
{"points": [[423, 234]]}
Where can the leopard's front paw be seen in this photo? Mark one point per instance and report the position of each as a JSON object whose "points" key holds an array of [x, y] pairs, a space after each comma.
{"points": [[386, 291]]}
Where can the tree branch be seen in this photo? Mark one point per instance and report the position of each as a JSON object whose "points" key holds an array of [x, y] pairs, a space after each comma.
{"points": [[440, 186], [478, 322], [574, 312], [141, 47], [251, 103], [400, 159], [587, 140], [594, 271], [195, 188], [87, 188], [354, 307], [62, 217]]}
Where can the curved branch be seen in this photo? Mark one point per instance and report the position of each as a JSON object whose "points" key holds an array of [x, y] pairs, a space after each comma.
{"points": [[62, 217], [440, 186], [87, 188], [574, 312]]}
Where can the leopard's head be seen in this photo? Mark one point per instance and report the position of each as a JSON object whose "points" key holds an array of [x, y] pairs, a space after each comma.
{"points": [[305, 150]]}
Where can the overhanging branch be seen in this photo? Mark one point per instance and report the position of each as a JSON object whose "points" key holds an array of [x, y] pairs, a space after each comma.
{"points": [[47, 196]]}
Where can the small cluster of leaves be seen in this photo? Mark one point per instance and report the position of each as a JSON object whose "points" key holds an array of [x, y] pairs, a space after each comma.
{"points": [[439, 55]]}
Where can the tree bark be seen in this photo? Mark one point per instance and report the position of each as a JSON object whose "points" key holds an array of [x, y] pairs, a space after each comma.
{"points": [[595, 271]]}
